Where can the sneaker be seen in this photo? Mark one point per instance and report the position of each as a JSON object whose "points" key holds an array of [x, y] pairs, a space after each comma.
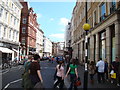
{"points": [[118, 85], [57, 86], [111, 81]]}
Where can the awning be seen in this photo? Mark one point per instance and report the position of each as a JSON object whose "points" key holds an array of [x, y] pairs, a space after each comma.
{"points": [[5, 50], [15, 50]]}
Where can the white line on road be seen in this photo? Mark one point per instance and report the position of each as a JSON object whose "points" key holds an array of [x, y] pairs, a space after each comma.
{"points": [[4, 72], [11, 83]]}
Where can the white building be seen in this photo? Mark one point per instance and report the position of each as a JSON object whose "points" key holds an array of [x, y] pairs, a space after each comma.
{"points": [[10, 13], [47, 47], [39, 42]]}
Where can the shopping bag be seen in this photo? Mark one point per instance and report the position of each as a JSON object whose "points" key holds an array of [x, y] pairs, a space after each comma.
{"points": [[113, 75], [77, 82], [39, 86], [112, 71]]}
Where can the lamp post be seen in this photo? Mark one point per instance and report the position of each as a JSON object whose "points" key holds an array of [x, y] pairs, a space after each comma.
{"points": [[86, 27]]}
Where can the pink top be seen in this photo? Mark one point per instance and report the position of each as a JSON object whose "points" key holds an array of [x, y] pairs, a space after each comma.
{"points": [[60, 72]]}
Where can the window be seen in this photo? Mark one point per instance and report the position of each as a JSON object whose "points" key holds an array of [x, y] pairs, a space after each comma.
{"points": [[4, 33], [1, 12], [16, 36], [112, 6], [88, 5], [0, 31], [23, 29], [23, 40], [102, 11], [24, 21], [6, 15], [13, 34], [11, 18], [95, 18], [10, 34], [12, 5], [14, 21]]}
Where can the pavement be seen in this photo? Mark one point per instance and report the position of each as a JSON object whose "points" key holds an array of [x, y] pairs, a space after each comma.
{"points": [[107, 84]]}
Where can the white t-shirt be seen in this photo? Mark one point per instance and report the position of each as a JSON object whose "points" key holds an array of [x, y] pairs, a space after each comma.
{"points": [[60, 72], [101, 66]]}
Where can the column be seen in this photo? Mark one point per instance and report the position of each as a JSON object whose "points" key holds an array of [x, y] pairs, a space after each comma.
{"points": [[108, 44], [97, 47], [92, 47], [117, 38]]}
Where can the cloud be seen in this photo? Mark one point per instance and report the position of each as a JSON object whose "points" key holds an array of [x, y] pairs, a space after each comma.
{"points": [[63, 30], [63, 21], [51, 19], [39, 15], [59, 35]]}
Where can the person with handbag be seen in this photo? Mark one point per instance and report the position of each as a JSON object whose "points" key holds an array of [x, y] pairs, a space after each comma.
{"points": [[73, 74], [35, 73], [116, 68], [60, 75]]}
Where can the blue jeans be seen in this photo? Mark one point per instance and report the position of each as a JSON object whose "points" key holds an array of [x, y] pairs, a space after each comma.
{"points": [[72, 79]]}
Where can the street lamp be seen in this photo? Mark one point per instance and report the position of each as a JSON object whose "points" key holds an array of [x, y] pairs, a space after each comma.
{"points": [[86, 27]]}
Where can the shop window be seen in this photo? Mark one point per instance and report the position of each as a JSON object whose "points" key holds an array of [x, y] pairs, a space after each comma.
{"points": [[103, 45]]}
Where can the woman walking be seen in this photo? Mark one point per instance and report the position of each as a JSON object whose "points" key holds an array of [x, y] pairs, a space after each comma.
{"points": [[73, 74], [35, 73], [92, 69], [60, 75]]}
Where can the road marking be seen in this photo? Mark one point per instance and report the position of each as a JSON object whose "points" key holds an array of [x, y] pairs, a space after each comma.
{"points": [[11, 83], [47, 67], [4, 72]]}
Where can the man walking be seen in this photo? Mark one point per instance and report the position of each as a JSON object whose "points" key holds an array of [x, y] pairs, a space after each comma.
{"points": [[101, 66]]}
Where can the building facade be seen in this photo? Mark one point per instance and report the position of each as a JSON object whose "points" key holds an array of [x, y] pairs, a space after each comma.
{"points": [[54, 48], [47, 50], [103, 37], [28, 30], [10, 13], [39, 42]]}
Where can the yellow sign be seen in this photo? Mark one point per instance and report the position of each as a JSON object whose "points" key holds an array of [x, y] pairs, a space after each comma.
{"points": [[86, 26]]}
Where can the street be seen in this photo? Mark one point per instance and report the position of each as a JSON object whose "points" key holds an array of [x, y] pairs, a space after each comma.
{"points": [[12, 78]]}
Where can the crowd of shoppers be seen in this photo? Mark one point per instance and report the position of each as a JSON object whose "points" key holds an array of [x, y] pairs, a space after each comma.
{"points": [[32, 73]]}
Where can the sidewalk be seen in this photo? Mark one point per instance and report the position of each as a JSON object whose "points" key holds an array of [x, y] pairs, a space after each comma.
{"points": [[107, 84]]}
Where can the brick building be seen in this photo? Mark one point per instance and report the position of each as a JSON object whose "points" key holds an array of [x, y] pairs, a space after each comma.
{"points": [[28, 30]]}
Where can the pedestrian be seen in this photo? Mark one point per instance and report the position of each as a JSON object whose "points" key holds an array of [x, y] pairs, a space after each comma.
{"points": [[52, 59], [35, 73], [73, 74], [106, 70], [101, 67], [60, 75], [116, 68], [26, 81], [91, 69]]}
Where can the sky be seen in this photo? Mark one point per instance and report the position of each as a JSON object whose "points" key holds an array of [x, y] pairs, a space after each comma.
{"points": [[53, 18]]}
